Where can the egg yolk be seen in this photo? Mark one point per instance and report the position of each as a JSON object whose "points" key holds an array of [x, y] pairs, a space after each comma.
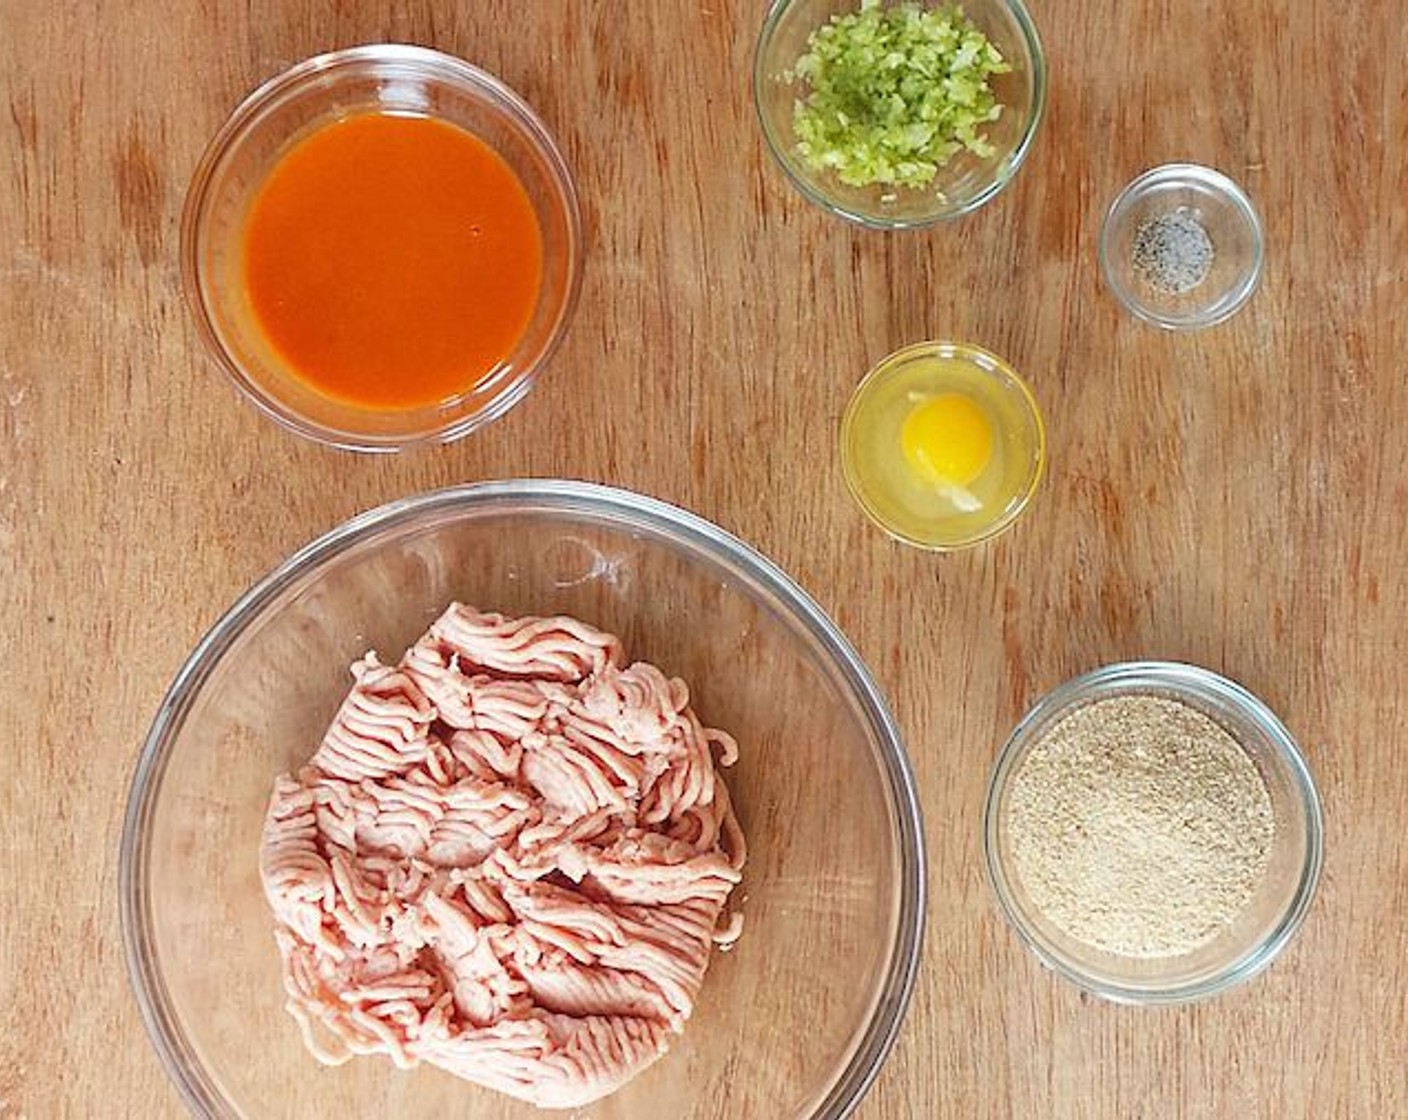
{"points": [[947, 438]]}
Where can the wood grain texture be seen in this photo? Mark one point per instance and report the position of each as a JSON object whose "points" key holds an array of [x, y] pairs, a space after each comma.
{"points": [[1236, 498]]}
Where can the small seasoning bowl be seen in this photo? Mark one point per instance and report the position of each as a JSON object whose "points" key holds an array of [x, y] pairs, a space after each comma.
{"points": [[963, 184], [397, 80], [998, 419], [1192, 198], [1279, 901]]}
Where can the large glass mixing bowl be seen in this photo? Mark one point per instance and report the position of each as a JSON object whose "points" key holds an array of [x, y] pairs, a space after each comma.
{"points": [[793, 1022]]}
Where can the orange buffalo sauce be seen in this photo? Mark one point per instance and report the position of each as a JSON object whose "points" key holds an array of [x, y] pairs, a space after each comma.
{"points": [[392, 262]]}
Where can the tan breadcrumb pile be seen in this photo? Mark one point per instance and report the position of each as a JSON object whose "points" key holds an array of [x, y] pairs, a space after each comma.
{"points": [[1139, 826]]}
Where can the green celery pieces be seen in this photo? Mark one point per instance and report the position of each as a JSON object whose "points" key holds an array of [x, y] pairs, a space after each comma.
{"points": [[894, 92]]}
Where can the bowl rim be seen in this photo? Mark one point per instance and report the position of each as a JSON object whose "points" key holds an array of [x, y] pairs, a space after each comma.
{"points": [[875, 1039], [975, 355], [1179, 679], [778, 148], [235, 129], [1216, 183]]}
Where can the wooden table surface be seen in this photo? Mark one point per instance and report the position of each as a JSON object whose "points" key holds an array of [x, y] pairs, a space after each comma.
{"points": [[1236, 498]]}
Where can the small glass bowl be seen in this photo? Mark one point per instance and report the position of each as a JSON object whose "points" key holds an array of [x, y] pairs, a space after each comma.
{"points": [[873, 460], [1281, 900], [1224, 211], [965, 182], [389, 78]]}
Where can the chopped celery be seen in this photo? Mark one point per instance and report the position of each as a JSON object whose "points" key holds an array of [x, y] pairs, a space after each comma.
{"points": [[894, 92]]}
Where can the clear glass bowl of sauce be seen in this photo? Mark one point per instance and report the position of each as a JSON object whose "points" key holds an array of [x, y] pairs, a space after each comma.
{"points": [[381, 247]]}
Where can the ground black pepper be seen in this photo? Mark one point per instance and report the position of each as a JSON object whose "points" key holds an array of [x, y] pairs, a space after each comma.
{"points": [[1172, 252]]}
